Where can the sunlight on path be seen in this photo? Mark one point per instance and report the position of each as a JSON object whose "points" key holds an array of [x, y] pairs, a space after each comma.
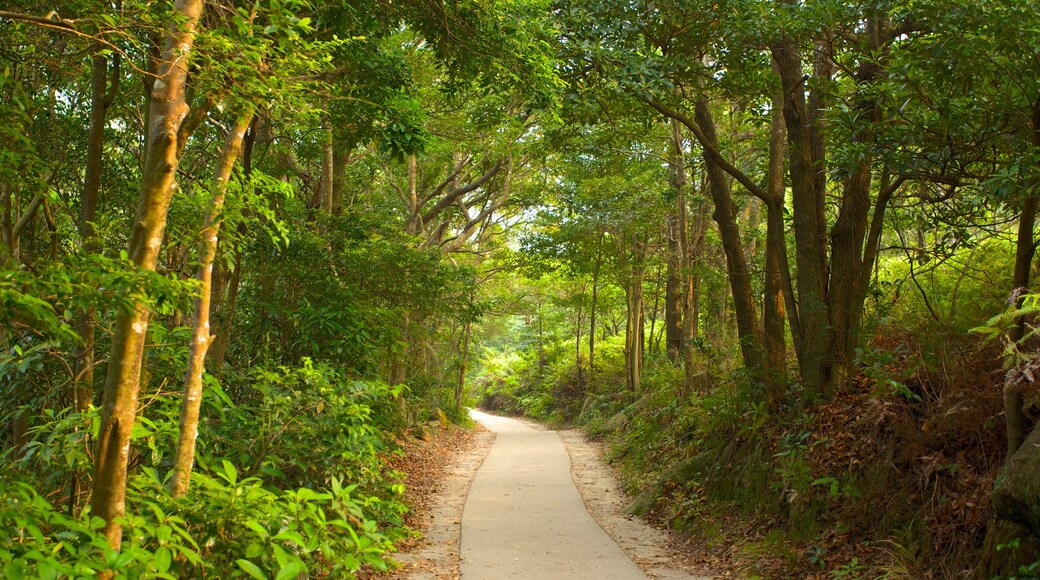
{"points": [[524, 517]]}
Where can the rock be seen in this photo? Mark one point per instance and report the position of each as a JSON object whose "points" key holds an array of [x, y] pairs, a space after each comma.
{"points": [[1013, 536], [621, 419], [681, 472], [1008, 548], [1016, 493], [614, 423]]}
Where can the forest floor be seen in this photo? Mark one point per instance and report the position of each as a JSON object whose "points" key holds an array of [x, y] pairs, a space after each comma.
{"points": [[441, 466]]}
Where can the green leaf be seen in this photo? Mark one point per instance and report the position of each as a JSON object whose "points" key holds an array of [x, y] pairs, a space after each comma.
{"points": [[230, 473], [291, 570], [163, 559], [293, 537], [259, 529], [251, 569]]}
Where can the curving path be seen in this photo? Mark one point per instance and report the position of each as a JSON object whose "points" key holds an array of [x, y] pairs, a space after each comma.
{"points": [[524, 517]]}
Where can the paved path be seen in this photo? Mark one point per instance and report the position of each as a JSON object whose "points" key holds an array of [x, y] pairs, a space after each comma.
{"points": [[524, 517]]}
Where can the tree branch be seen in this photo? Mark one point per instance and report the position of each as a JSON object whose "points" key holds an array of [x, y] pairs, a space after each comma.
{"points": [[741, 177], [449, 199]]}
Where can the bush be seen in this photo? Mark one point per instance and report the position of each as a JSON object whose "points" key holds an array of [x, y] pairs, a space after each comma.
{"points": [[291, 480]]}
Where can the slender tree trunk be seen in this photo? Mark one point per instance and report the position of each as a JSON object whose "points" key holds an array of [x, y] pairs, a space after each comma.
{"points": [[1025, 249], [579, 323], [775, 261], [415, 221], [850, 231], [103, 93], [652, 343], [592, 312], [748, 333], [692, 289], [7, 223], [673, 294], [634, 323], [218, 351], [397, 370], [676, 289], [328, 169], [201, 337], [167, 109], [339, 171], [463, 363]]}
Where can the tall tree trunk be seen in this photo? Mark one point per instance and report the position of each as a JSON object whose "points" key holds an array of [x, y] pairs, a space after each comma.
{"points": [[673, 293], [652, 340], [675, 288], [339, 171], [691, 292], [578, 325], [464, 363], [592, 312], [634, 320], [850, 228], [102, 94], [226, 316], [415, 222], [775, 263], [1025, 249], [167, 109], [748, 333], [328, 169], [808, 181], [218, 352], [201, 337], [396, 373]]}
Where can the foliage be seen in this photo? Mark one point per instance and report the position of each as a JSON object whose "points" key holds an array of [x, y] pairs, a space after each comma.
{"points": [[306, 492]]}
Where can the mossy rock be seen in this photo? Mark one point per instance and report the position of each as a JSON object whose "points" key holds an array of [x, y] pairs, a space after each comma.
{"points": [[615, 423], [1016, 493], [1013, 537], [680, 473], [1009, 549]]}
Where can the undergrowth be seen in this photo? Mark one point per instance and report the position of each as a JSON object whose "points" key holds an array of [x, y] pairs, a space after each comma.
{"points": [[291, 480]]}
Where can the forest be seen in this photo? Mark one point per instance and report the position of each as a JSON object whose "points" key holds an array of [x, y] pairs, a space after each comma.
{"points": [[778, 256]]}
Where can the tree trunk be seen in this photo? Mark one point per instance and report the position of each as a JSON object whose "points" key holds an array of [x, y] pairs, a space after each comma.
{"points": [[201, 337], [673, 294], [167, 109], [775, 263], [675, 288], [850, 231], [691, 292], [1025, 249], [415, 222], [463, 364], [328, 169], [592, 313], [226, 314], [634, 324], [339, 171], [739, 278], [577, 339], [396, 374], [218, 352], [808, 181], [652, 340], [102, 95]]}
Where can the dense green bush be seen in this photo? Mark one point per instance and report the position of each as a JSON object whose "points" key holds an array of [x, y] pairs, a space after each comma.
{"points": [[291, 479]]}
